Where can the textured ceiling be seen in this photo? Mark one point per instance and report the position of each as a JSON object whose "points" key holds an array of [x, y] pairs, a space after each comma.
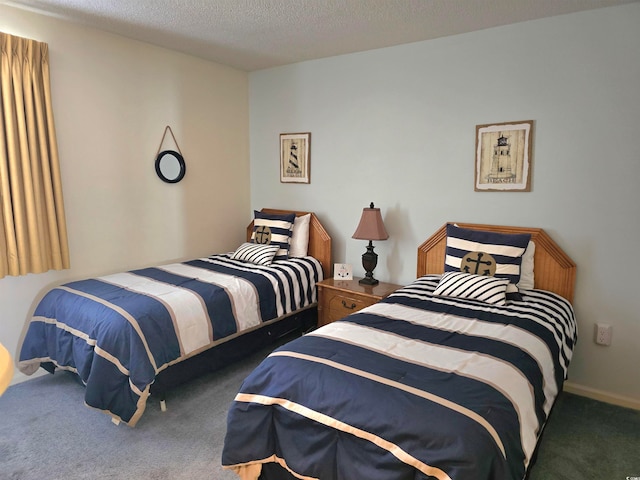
{"points": [[256, 34]]}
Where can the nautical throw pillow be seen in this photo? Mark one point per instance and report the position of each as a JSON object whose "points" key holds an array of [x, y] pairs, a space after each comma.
{"points": [[473, 287], [506, 249], [273, 229], [255, 253]]}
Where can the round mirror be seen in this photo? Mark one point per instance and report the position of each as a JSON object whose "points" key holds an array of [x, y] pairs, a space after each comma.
{"points": [[170, 166]]}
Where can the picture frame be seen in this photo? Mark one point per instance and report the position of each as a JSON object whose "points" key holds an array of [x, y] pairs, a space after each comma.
{"points": [[295, 157], [342, 271], [503, 157]]}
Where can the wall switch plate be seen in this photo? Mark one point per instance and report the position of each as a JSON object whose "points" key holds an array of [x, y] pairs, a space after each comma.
{"points": [[603, 333]]}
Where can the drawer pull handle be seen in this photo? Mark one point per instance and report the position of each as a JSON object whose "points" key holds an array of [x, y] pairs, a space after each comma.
{"points": [[344, 304]]}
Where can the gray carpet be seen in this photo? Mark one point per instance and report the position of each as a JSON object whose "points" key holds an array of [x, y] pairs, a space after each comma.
{"points": [[46, 432]]}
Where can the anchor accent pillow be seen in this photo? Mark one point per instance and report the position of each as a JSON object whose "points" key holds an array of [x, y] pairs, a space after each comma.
{"points": [[505, 248], [273, 229], [473, 287]]}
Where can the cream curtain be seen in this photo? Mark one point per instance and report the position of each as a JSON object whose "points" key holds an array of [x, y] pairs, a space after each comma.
{"points": [[33, 232]]}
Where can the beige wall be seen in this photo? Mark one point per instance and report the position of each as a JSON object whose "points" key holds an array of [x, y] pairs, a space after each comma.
{"points": [[112, 99]]}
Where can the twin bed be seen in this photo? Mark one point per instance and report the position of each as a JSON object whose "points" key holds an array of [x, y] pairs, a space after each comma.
{"points": [[132, 334], [439, 380]]}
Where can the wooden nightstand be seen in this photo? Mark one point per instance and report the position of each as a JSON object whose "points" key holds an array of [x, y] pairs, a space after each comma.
{"points": [[339, 298]]}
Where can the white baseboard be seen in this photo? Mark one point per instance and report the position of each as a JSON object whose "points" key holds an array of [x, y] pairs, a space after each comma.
{"points": [[602, 396]]}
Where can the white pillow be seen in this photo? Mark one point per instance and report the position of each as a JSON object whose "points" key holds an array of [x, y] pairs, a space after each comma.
{"points": [[300, 238], [258, 253], [526, 268], [491, 290]]}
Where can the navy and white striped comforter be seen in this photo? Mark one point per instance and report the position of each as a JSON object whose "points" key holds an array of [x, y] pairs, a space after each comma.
{"points": [[413, 387], [118, 331]]}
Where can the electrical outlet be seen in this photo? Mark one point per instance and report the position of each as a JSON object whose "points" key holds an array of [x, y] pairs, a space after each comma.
{"points": [[603, 334]]}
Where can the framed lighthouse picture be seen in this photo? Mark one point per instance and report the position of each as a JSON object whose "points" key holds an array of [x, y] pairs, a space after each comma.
{"points": [[295, 157], [503, 157]]}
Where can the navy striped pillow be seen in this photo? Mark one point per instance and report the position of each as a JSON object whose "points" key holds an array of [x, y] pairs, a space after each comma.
{"points": [[507, 250], [255, 253], [474, 287], [273, 229]]}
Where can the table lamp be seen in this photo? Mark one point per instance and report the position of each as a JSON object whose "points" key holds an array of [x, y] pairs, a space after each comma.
{"points": [[370, 228]]}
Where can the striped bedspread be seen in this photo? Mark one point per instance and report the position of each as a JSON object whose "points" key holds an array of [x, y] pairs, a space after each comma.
{"points": [[414, 387], [118, 331]]}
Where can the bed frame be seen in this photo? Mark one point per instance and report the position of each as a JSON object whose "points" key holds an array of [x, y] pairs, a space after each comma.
{"points": [[236, 347], [554, 269]]}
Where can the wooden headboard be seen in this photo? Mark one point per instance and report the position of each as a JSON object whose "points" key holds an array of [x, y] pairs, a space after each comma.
{"points": [[319, 239], [553, 269]]}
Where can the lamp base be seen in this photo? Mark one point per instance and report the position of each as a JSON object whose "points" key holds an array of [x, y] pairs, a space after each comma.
{"points": [[369, 262], [368, 281]]}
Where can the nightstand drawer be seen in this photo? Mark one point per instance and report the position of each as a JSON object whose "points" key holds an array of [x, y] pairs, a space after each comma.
{"points": [[342, 305]]}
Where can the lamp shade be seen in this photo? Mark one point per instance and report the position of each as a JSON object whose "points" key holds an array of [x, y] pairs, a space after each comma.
{"points": [[371, 226]]}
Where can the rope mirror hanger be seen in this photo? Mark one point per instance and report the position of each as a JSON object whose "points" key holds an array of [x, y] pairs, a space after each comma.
{"points": [[170, 165]]}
